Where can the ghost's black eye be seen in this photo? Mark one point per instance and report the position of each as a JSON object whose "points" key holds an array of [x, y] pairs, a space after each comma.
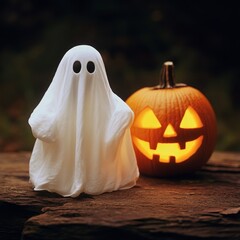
{"points": [[76, 66], [90, 67]]}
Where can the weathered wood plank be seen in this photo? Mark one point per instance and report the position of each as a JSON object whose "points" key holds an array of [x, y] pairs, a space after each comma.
{"points": [[203, 206]]}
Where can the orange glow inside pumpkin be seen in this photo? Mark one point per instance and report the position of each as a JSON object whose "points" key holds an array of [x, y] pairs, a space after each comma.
{"points": [[148, 120]]}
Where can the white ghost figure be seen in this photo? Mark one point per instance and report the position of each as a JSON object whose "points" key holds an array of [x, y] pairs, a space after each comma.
{"points": [[82, 128]]}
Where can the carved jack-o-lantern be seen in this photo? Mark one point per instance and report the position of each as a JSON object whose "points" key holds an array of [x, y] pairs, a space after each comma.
{"points": [[174, 130]]}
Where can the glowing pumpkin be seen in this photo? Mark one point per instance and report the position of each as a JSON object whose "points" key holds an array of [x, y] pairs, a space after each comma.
{"points": [[174, 130]]}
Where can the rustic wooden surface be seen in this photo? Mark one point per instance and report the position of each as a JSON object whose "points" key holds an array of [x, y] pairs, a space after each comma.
{"points": [[203, 206]]}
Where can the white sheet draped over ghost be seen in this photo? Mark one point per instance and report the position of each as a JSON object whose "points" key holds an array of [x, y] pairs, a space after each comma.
{"points": [[83, 131]]}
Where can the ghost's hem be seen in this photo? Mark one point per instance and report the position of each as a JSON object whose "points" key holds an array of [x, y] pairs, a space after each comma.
{"points": [[77, 193]]}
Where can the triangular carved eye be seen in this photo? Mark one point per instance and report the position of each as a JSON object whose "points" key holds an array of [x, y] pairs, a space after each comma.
{"points": [[191, 119], [147, 119]]}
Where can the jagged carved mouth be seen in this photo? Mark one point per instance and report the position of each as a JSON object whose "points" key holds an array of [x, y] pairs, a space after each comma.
{"points": [[169, 152]]}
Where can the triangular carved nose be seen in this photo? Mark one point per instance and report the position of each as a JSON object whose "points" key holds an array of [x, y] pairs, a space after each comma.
{"points": [[169, 132]]}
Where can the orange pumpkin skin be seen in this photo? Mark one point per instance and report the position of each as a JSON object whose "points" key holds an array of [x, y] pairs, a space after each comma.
{"points": [[174, 147]]}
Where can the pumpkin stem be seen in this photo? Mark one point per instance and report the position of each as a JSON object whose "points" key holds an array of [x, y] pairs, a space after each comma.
{"points": [[167, 75], [167, 78]]}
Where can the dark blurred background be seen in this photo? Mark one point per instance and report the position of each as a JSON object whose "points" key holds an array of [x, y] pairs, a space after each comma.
{"points": [[134, 39]]}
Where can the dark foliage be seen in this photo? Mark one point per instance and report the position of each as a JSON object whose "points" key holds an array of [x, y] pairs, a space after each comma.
{"points": [[134, 38]]}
